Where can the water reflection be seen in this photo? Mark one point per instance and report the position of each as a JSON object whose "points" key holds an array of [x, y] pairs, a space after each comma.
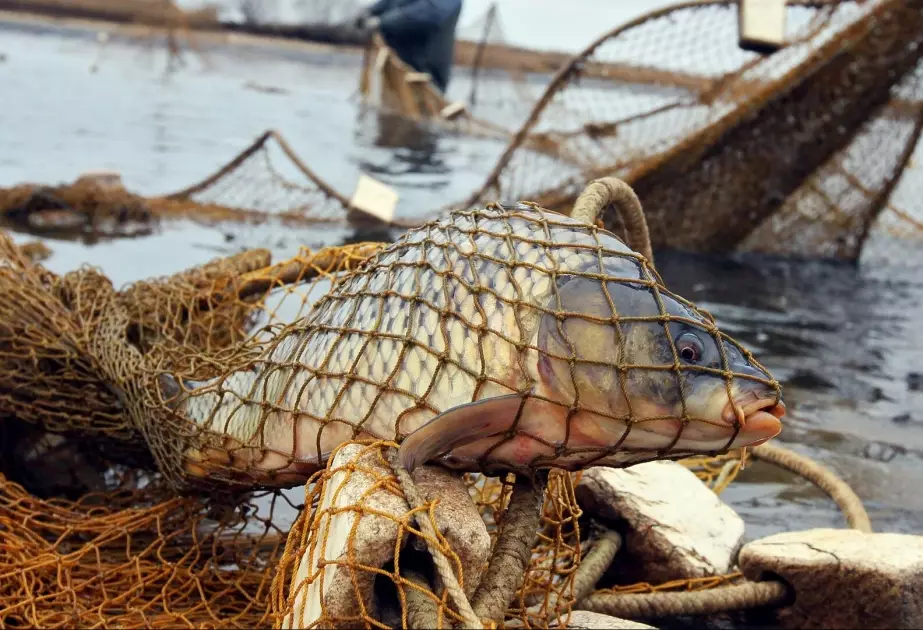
{"points": [[415, 147]]}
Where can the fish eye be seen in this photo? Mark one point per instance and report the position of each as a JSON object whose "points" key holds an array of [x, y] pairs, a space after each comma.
{"points": [[690, 347]]}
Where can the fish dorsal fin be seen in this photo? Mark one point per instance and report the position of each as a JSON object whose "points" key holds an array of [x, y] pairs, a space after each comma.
{"points": [[460, 425]]}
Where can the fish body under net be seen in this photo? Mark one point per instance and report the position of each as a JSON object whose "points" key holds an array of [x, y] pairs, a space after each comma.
{"points": [[449, 315]]}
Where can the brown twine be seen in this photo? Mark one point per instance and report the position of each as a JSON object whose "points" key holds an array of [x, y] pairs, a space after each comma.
{"points": [[513, 549], [823, 478], [443, 567], [601, 193], [720, 600]]}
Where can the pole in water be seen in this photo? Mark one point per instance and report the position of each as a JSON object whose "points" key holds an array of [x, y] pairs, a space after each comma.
{"points": [[479, 53]]}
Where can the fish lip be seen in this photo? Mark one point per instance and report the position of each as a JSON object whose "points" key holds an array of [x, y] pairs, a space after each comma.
{"points": [[745, 406], [744, 412]]}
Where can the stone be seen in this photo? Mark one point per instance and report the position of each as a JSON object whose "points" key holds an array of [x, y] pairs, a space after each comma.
{"points": [[673, 525], [843, 578], [357, 485], [587, 619]]}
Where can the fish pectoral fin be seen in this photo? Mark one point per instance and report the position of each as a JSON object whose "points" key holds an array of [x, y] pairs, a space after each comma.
{"points": [[458, 426]]}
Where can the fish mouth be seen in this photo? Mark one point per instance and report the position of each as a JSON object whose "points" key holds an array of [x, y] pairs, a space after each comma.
{"points": [[759, 418]]}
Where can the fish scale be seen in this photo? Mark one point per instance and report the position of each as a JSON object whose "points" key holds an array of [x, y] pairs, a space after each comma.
{"points": [[428, 293]]}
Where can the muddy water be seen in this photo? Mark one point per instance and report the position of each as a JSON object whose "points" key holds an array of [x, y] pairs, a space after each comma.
{"points": [[845, 341]]}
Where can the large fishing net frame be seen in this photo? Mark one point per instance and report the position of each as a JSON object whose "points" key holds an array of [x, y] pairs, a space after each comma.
{"points": [[797, 152], [104, 525], [265, 182]]}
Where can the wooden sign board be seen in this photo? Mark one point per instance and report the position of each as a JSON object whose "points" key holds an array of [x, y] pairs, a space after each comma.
{"points": [[761, 25], [374, 199]]}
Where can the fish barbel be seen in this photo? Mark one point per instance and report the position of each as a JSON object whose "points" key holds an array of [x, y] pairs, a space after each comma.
{"points": [[492, 339]]}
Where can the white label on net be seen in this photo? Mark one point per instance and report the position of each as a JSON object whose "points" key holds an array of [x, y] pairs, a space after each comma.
{"points": [[374, 198], [762, 22], [452, 110]]}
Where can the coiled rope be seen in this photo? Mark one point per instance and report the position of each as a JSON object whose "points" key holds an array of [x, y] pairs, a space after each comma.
{"points": [[741, 596]]}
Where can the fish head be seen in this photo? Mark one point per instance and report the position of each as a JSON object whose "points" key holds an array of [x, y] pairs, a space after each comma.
{"points": [[646, 375]]}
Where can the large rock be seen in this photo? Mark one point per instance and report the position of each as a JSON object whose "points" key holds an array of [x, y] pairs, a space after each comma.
{"points": [[675, 526], [358, 520], [587, 619], [843, 578]]}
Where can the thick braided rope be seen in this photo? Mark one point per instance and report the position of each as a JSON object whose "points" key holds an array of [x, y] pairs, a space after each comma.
{"points": [[823, 478], [596, 562], [439, 559], [726, 599], [509, 562], [601, 193]]}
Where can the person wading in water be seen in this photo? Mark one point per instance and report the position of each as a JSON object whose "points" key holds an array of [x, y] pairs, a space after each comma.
{"points": [[421, 32]]}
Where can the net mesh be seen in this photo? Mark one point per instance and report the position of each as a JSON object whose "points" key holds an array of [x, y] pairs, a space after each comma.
{"points": [[794, 152], [381, 590], [265, 182], [153, 517]]}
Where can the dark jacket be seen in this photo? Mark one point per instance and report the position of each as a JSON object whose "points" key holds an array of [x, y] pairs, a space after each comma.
{"points": [[422, 33]]}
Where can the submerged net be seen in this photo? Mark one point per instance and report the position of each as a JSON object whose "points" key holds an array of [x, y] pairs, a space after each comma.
{"points": [[84, 365], [266, 182], [719, 142]]}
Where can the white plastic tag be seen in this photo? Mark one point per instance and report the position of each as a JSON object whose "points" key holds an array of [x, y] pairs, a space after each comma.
{"points": [[374, 198]]}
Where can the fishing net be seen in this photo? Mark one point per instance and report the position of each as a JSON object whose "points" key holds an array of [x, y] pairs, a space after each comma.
{"points": [[137, 556], [170, 521], [719, 142], [266, 182]]}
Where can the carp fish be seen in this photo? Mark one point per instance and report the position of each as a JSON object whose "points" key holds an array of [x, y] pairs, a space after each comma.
{"points": [[494, 339]]}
